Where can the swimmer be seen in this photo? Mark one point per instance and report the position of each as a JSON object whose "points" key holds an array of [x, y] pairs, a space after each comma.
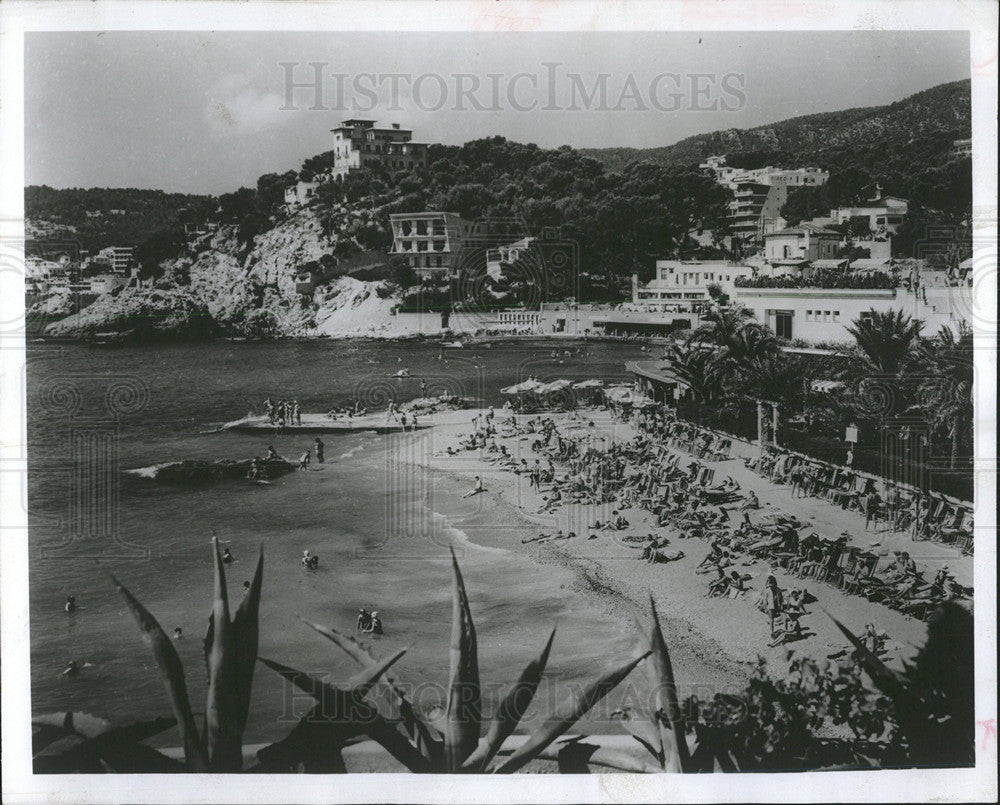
{"points": [[272, 454], [72, 669], [374, 625], [70, 605], [246, 588], [227, 557], [178, 633], [304, 460], [319, 450]]}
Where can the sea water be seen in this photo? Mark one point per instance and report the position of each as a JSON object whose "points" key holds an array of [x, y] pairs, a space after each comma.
{"points": [[129, 407]]}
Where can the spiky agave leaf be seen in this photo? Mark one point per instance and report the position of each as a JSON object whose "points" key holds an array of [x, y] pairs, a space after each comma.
{"points": [[511, 710], [667, 704], [223, 736], [567, 714], [464, 696], [577, 754], [172, 673], [343, 707], [417, 728], [246, 639]]}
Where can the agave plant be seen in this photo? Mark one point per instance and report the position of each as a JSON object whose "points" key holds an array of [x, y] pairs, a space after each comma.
{"points": [[230, 657], [453, 742], [934, 696]]}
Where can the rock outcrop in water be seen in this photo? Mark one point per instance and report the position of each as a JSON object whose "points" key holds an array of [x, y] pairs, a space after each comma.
{"points": [[194, 472]]}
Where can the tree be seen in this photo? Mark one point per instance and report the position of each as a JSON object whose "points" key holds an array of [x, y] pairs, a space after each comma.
{"points": [[401, 273], [944, 389], [885, 339]]}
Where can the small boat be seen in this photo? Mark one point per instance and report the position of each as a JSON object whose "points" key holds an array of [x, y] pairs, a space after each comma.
{"points": [[402, 373]]}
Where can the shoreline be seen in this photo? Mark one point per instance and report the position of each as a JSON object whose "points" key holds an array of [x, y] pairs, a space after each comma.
{"points": [[714, 642]]}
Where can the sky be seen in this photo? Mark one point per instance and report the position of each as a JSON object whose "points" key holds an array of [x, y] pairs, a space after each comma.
{"points": [[210, 112]]}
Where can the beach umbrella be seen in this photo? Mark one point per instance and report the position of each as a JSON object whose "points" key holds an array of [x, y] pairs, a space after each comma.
{"points": [[521, 388], [619, 394], [555, 385]]}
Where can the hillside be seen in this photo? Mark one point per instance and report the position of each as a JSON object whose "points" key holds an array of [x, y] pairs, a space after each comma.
{"points": [[266, 269], [92, 218], [895, 144]]}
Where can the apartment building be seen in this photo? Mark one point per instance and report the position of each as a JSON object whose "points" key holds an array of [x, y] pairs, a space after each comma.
{"points": [[430, 241]]}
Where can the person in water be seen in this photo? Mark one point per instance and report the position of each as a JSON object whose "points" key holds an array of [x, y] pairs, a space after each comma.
{"points": [[304, 460], [246, 588], [178, 633], [374, 624], [72, 669], [272, 454], [70, 605], [256, 469], [319, 450], [364, 620], [227, 557]]}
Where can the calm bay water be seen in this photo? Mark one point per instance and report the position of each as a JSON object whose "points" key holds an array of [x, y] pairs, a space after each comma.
{"points": [[151, 405]]}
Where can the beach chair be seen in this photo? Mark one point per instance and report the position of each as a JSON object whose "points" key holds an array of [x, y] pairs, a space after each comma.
{"points": [[705, 477], [722, 450]]}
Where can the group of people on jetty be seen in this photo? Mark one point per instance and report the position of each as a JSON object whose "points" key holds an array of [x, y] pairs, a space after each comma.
{"points": [[572, 465], [283, 412]]}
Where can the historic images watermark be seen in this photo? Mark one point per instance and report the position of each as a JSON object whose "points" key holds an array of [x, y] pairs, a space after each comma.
{"points": [[318, 86]]}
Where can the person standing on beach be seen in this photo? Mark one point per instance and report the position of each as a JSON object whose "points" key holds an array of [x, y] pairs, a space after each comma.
{"points": [[319, 450]]}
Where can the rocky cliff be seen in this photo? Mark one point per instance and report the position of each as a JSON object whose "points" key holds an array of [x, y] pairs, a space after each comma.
{"points": [[223, 287]]}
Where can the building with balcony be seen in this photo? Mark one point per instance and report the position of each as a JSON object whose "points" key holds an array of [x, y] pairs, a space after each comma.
{"points": [[430, 241], [962, 148], [683, 285], [117, 259], [360, 144]]}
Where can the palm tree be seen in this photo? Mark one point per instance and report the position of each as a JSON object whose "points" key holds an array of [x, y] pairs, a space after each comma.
{"points": [[723, 324], [944, 391], [886, 339], [694, 366]]}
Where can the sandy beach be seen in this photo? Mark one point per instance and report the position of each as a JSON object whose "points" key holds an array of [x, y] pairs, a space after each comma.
{"points": [[715, 642]]}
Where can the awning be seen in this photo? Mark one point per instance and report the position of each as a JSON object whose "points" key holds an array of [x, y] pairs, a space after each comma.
{"points": [[826, 386]]}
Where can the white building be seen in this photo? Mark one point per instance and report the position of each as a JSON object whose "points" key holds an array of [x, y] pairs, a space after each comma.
{"points": [[506, 255], [430, 241], [117, 258], [299, 193], [684, 284], [884, 213], [823, 314], [803, 242]]}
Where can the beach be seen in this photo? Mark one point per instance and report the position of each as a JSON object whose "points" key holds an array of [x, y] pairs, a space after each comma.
{"points": [[713, 641]]}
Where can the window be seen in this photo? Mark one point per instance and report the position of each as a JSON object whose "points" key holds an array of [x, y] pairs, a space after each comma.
{"points": [[826, 315], [809, 315], [836, 315], [783, 324]]}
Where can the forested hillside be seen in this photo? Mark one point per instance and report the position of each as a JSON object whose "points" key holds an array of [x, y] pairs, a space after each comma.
{"points": [[905, 146]]}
